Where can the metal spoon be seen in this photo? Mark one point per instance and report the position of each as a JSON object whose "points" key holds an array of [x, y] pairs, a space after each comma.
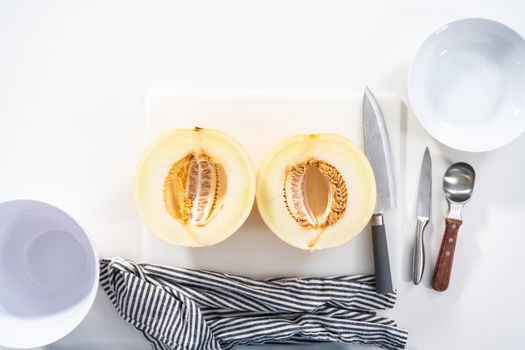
{"points": [[458, 183]]}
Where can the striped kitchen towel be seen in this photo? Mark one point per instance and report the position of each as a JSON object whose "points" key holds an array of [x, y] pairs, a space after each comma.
{"points": [[184, 309]]}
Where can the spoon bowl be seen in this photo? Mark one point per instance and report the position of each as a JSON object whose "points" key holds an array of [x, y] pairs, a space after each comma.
{"points": [[458, 182]]}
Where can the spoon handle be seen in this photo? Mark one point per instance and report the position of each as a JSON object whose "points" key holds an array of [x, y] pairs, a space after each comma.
{"points": [[445, 258]]}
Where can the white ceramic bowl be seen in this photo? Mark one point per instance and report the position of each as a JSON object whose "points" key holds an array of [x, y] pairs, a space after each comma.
{"points": [[467, 85], [48, 274]]}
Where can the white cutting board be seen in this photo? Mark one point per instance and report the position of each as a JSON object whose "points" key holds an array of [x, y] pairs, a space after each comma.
{"points": [[258, 121]]}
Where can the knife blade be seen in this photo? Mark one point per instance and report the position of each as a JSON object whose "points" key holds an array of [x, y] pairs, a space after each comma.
{"points": [[377, 150], [424, 199]]}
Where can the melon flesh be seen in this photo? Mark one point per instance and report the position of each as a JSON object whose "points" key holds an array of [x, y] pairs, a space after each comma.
{"points": [[316, 191], [194, 187]]}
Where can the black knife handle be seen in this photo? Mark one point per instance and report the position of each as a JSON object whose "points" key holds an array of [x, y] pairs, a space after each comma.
{"points": [[381, 260]]}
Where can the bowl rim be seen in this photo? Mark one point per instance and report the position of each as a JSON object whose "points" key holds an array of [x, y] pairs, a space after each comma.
{"points": [[410, 88], [87, 302]]}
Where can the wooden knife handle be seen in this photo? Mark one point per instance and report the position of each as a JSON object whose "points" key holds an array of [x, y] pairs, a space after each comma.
{"points": [[443, 268]]}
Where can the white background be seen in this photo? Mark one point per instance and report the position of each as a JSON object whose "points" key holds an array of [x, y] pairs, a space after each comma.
{"points": [[73, 76]]}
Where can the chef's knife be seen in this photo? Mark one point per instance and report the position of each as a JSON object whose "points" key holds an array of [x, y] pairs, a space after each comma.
{"points": [[377, 149], [423, 215]]}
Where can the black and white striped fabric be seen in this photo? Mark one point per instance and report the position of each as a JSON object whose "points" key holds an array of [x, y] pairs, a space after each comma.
{"points": [[183, 309]]}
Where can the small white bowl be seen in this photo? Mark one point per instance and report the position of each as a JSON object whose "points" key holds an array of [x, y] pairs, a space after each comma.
{"points": [[467, 85], [48, 274]]}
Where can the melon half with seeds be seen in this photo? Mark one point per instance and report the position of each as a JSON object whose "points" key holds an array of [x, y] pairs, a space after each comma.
{"points": [[194, 187], [316, 191]]}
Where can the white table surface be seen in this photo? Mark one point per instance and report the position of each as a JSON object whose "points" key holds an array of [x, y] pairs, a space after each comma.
{"points": [[72, 81]]}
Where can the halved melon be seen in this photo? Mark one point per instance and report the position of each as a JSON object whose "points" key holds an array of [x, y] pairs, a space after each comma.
{"points": [[194, 187], [316, 191]]}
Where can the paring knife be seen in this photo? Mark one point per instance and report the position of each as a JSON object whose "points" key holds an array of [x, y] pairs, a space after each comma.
{"points": [[377, 149], [423, 215]]}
